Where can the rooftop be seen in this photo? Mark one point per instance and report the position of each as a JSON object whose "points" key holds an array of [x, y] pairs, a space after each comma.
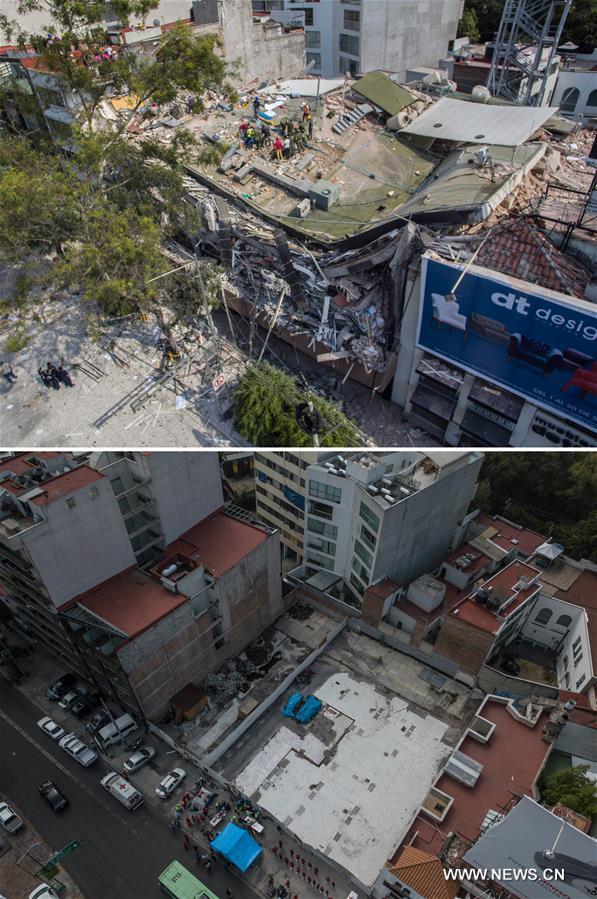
{"points": [[467, 558], [512, 760], [131, 602], [349, 783], [518, 248], [424, 873], [503, 586], [503, 532], [219, 542]]}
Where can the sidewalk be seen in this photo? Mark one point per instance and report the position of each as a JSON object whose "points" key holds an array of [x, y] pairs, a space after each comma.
{"points": [[19, 880]]}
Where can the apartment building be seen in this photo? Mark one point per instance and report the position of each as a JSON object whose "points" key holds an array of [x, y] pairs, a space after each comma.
{"points": [[385, 515], [280, 494], [128, 568], [362, 35]]}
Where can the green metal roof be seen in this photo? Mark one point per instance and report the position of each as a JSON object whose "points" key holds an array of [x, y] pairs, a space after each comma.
{"points": [[385, 93]]}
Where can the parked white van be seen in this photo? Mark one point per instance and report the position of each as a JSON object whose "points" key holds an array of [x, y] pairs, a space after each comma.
{"points": [[116, 731], [122, 790]]}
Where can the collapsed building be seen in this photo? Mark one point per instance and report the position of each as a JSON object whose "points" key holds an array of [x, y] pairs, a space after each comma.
{"points": [[326, 248]]}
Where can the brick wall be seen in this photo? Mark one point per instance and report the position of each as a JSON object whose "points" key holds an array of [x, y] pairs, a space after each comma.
{"points": [[463, 644]]}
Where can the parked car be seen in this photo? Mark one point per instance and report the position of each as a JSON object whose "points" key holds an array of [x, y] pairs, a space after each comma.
{"points": [[139, 758], [99, 720], [69, 699], [9, 819], [510, 666], [53, 796], [61, 686], [84, 705], [43, 891], [171, 781], [81, 753], [50, 728]]}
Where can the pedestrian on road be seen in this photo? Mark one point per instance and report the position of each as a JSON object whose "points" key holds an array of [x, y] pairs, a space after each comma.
{"points": [[43, 376], [310, 127], [256, 106], [286, 145], [278, 147], [63, 376]]}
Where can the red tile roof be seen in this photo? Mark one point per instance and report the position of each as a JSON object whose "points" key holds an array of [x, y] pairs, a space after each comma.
{"points": [[131, 601], [511, 763], [65, 484], [528, 541], [502, 585], [478, 562], [219, 542], [423, 873], [518, 248]]}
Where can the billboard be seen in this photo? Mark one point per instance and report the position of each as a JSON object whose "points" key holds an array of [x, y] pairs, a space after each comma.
{"points": [[537, 344], [533, 842]]}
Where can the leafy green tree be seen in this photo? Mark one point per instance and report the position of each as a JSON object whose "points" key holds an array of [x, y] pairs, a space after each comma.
{"points": [[469, 26], [265, 402], [580, 28], [488, 14], [573, 788]]}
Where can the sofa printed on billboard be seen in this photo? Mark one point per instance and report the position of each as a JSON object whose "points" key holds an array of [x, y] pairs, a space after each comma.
{"points": [[537, 344]]}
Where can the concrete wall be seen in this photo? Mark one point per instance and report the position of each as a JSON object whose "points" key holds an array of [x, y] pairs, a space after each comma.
{"points": [[179, 649], [259, 53], [586, 84], [187, 488], [490, 680], [399, 34], [77, 548], [467, 646], [416, 534]]}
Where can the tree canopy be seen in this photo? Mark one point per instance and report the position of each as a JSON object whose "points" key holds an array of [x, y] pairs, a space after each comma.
{"points": [[572, 788], [552, 493], [105, 201], [265, 405]]}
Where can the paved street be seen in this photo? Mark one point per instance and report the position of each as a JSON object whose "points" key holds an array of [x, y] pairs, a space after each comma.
{"points": [[122, 853]]}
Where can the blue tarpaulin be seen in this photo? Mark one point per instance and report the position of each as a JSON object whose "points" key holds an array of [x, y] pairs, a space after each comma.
{"points": [[238, 846], [309, 710], [292, 705]]}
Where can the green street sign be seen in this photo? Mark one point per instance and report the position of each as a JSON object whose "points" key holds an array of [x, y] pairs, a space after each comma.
{"points": [[58, 856]]}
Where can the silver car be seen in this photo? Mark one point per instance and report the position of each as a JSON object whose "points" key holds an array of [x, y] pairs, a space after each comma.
{"points": [[52, 729], [9, 819], [167, 786], [139, 758], [81, 753]]}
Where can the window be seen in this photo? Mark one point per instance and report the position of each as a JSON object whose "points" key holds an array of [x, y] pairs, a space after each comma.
{"points": [[564, 620], [576, 645], [578, 660], [352, 20], [355, 582], [543, 616], [569, 99], [360, 571], [322, 510], [312, 39], [368, 537], [370, 517], [325, 491], [592, 101], [565, 663], [346, 64], [308, 15], [315, 58], [324, 561], [318, 527], [349, 43], [580, 681], [363, 554]]}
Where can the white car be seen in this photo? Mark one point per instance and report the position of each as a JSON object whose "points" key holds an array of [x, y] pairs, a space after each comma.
{"points": [[167, 786], [9, 820], [43, 891], [52, 729], [81, 753], [71, 697]]}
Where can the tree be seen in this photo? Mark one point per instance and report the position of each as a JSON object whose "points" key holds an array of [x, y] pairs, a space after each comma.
{"points": [[488, 14], [265, 404], [580, 28], [469, 26], [572, 788]]}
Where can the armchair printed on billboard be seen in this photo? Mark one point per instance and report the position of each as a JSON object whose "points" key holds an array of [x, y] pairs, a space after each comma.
{"points": [[538, 344]]}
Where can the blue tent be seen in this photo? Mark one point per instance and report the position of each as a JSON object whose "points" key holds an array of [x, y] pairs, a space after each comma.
{"points": [[238, 846], [308, 710], [292, 705]]}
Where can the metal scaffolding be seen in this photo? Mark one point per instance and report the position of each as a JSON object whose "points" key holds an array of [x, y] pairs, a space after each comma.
{"points": [[525, 47]]}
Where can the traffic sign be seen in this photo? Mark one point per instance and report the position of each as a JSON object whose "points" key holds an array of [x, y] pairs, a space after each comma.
{"points": [[62, 853]]}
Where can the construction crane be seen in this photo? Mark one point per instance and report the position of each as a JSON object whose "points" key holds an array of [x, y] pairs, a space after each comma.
{"points": [[525, 47]]}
